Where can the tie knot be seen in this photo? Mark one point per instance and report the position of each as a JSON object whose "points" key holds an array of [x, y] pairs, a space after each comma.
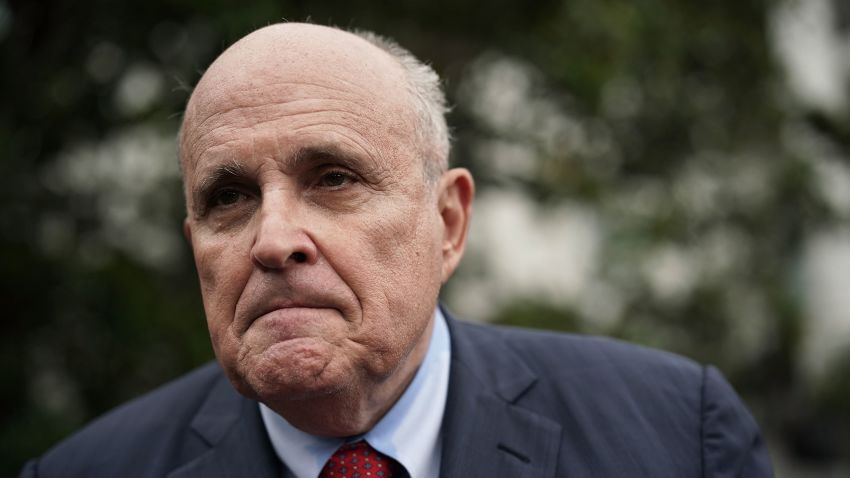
{"points": [[360, 460]]}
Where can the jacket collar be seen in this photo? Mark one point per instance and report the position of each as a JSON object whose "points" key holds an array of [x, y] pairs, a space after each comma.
{"points": [[231, 427], [486, 432]]}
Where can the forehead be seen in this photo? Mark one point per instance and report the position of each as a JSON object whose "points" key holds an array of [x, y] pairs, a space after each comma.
{"points": [[290, 72]]}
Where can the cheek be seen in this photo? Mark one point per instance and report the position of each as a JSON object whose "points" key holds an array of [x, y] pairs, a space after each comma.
{"points": [[394, 265], [223, 267], [409, 248]]}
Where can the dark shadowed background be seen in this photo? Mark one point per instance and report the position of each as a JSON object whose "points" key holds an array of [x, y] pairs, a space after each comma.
{"points": [[675, 173]]}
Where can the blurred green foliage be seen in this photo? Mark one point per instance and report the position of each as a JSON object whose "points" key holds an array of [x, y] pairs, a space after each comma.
{"points": [[99, 297]]}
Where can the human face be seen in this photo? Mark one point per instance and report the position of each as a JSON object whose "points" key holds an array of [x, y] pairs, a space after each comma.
{"points": [[317, 241]]}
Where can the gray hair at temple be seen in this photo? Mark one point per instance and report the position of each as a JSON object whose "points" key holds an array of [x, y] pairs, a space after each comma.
{"points": [[429, 104]]}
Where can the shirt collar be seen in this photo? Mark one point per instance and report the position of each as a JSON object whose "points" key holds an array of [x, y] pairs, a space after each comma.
{"points": [[408, 433]]}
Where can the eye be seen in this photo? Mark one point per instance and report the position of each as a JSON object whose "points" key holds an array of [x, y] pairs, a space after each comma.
{"points": [[335, 179], [225, 197]]}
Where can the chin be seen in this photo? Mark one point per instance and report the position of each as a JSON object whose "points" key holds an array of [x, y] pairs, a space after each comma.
{"points": [[293, 370]]}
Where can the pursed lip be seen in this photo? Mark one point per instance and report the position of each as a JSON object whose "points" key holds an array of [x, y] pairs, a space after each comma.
{"points": [[290, 307], [266, 308]]}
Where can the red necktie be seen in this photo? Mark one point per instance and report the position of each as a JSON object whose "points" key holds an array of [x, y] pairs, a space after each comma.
{"points": [[359, 460]]}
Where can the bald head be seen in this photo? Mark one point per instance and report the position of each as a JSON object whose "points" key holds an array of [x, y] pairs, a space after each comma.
{"points": [[362, 66]]}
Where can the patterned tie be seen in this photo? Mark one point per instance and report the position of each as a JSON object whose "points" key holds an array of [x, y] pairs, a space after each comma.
{"points": [[359, 460]]}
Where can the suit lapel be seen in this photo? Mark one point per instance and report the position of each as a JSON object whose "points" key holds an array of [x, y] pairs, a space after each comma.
{"points": [[485, 432], [230, 428]]}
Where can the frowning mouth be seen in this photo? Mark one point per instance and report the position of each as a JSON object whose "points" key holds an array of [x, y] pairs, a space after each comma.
{"points": [[286, 302], [295, 322], [290, 311]]}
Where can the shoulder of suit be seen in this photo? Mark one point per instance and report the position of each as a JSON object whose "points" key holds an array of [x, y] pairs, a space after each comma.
{"points": [[180, 397], [555, 355], [563, 343], [135, 429]]}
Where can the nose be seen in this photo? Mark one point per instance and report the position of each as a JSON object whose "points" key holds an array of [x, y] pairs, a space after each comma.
{"points": [[280, 241]]}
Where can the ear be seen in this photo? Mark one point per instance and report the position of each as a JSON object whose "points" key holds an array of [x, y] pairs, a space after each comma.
{"points": [[455, 203]]}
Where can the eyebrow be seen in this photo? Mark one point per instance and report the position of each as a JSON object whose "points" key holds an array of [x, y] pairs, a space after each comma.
{"points": [[229, 170], [325, 152]]}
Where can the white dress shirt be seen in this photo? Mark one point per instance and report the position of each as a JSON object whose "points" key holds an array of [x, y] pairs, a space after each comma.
{"points": [[408, 433]]}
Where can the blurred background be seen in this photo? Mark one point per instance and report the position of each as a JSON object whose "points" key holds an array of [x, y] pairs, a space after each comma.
{"points": [[674, 173]]}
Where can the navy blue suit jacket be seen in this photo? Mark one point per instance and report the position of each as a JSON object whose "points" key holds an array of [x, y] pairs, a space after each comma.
{"points": [[521, 404]]}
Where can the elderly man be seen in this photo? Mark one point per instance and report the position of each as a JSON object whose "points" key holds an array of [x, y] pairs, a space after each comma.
{"points": [[323, 219]]}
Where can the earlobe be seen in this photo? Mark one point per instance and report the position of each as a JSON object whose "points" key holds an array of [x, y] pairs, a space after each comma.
{"points": [[457, 190]]}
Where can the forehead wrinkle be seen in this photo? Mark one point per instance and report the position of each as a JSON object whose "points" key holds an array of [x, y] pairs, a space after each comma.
{"points": [[362, 91], [339, 148], [213, 145], [283, 116], [242, 98], [320, 109], [317, 109], [354, 137], [196, 134]]}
